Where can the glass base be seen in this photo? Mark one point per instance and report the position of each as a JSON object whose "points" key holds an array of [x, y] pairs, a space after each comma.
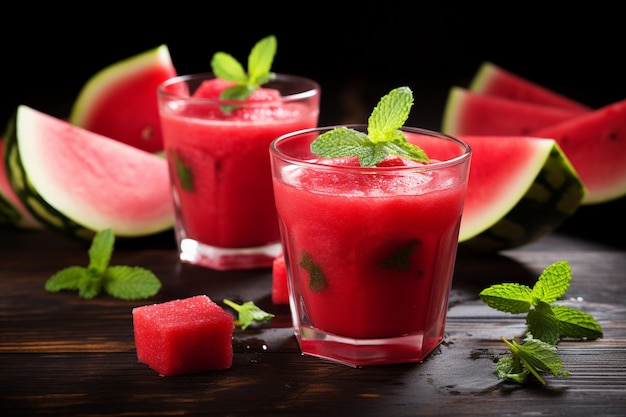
{"points": [[363, 352], [196, 253]]}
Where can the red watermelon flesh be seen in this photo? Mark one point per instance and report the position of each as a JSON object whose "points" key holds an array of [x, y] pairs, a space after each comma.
{"points": [[493, 80], [280, 291], [468, 113], [18, 214], [595, 144], [120, 101], [184, 336], [502, 170]]}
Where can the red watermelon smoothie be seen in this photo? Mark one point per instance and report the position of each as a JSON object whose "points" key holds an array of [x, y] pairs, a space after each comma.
{"points": [[219, 164], [370, 252]]}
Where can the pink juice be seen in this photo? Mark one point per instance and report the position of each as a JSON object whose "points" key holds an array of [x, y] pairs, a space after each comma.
{"points": [[370, 256], [220, 167]]}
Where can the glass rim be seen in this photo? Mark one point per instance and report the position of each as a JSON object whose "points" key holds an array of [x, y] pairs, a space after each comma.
{"points": [[312, 89], [463, 156]]}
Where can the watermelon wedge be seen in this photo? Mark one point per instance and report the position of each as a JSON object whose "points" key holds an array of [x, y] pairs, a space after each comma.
{"points": [[519, 189], [495, 81], [79, 182], [595, 144], [12, 211], [468, 113], [120, 100], [594, 141]]}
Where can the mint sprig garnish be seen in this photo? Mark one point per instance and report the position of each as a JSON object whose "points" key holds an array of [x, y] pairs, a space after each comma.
{"points": [[383, 137], [248, 313], [124, 282], [546, 323], [260, 60]]}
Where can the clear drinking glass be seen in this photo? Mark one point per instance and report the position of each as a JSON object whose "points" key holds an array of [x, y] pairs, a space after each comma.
{"points": [[370, 252], [220, 169]]}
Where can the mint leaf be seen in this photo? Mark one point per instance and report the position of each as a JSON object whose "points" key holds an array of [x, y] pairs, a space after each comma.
{"points": [[101, 250], [510, 297], [226, 67], [317, 279], [509, 368], [576, 324], [130, 283], [383, 137], [389, 115], [400, 259], [260, 60], [66, 279], [543, 324], [90, 284], [546, 323], [248, 313], [183, 172], [537, 357], [553, 282]]}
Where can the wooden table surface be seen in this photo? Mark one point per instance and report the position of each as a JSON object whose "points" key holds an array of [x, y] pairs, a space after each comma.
{"points": [[62, 355]]}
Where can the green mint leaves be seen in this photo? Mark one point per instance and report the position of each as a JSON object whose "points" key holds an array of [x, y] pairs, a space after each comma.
{"points": [[546, 323], [317, 278], [260, 60], [383, 136], [248, 313], [532, 357], [124, 282]]}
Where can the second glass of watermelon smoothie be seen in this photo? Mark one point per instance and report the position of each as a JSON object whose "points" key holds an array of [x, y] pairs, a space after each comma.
{"points": [[219, 165], [370, 252]]}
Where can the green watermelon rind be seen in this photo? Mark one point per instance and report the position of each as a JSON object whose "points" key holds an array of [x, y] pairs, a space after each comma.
{"points": [[554, 195], [12, 211], [45, 212]]}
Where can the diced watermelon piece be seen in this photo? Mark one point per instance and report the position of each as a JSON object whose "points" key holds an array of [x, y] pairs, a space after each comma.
{"points": [[493, 80], [280, 290], [184, 336], [468, 113]]}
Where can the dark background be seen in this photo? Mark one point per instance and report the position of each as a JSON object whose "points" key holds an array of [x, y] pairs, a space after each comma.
{"points": [[356, 54], [49, 52]]}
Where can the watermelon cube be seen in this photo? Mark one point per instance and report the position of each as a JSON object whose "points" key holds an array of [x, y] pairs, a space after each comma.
{"points": [[280, 291], [184, 336]]}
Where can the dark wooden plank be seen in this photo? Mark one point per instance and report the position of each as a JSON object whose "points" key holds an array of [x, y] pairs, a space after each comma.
{"points": [[61, 355]]}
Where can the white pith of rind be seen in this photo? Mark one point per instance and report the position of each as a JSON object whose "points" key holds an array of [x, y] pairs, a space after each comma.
{"points": [[37, 132]]}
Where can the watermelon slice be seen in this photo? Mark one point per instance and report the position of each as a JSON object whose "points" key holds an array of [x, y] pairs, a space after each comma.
{"points": [[519, 189], [184, 336], [79, 182], [12, 211], [595, 144], [493, 80], [468, 113], [120, 100], [594, 141]]}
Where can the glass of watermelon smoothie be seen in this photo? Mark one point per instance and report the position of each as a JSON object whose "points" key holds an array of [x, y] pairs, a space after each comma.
{"points": [[217, 153], [370, 252]]}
